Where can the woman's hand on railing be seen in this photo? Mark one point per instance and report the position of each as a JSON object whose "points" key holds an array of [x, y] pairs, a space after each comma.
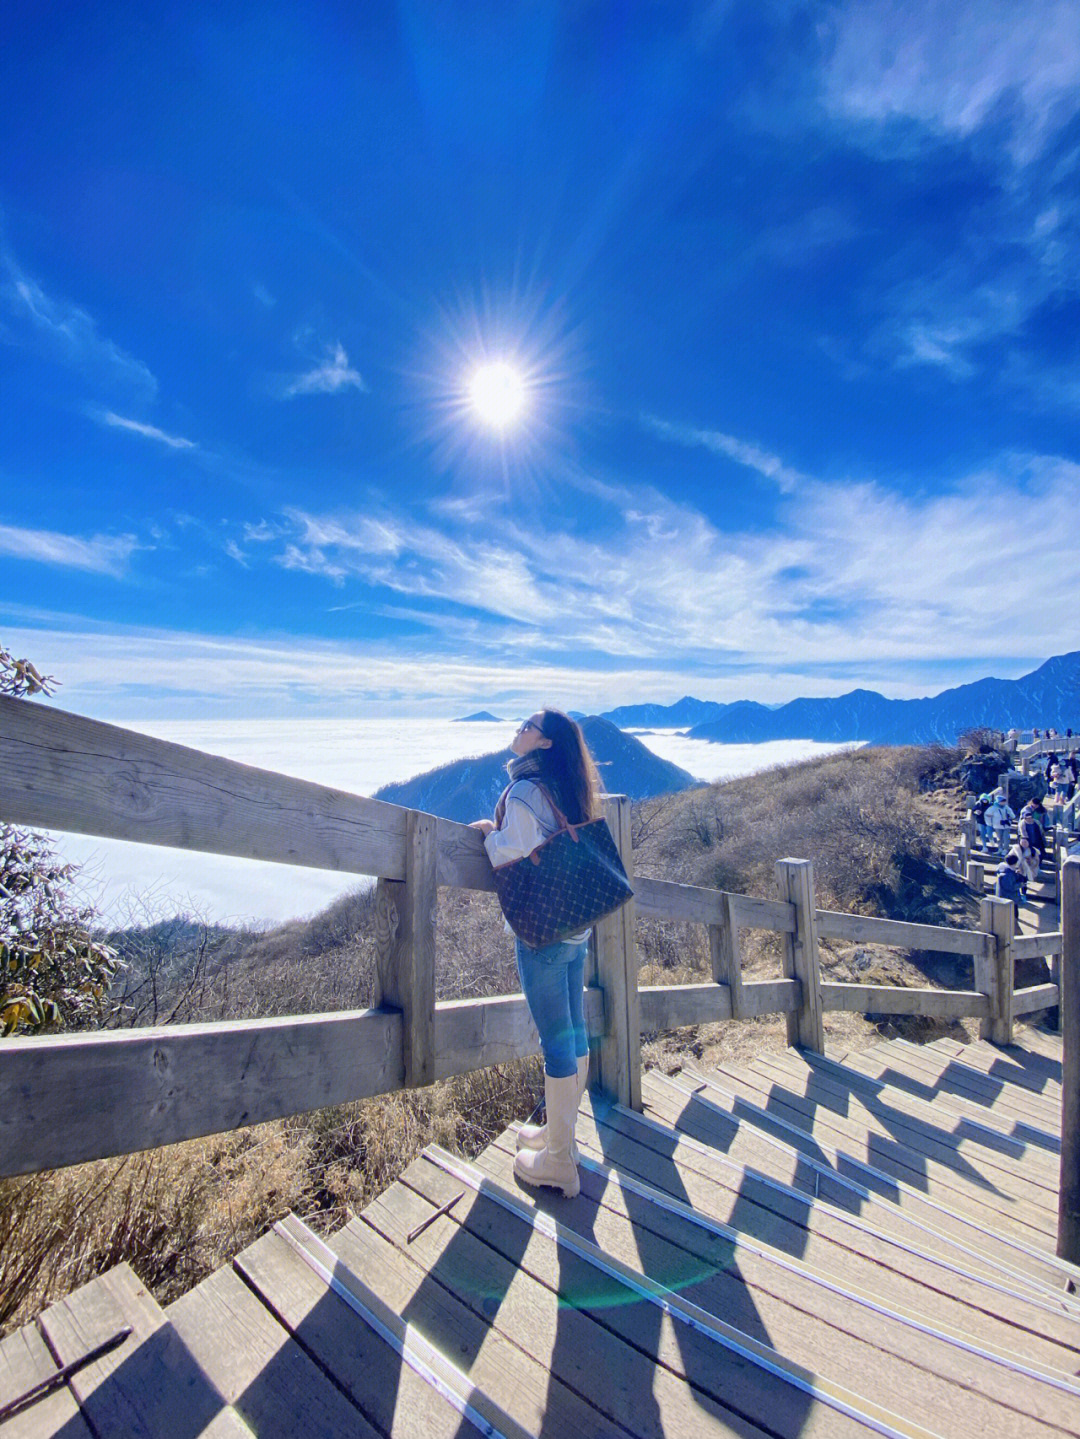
{"points": [[485, 826]]}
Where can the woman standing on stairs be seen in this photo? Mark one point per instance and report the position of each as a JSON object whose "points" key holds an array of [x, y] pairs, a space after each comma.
{"points": [[552, 767]]}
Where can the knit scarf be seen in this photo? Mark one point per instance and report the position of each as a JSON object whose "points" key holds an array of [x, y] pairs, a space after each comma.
{"points": [[522, 766]]}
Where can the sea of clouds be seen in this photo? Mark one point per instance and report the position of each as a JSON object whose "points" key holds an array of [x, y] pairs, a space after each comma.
{"points": [[136, 882]]}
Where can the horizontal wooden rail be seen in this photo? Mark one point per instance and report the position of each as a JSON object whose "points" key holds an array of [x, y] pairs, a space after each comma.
{"points": [[663, 899], [1036, 997], [75, 1097], [65, 772], [895, 999], [867, 929], [1032, 946], [679, 1005]]}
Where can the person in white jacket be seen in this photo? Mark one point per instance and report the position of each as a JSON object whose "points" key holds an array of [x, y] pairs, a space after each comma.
{"points": [[551, 763], [1000, 816]]}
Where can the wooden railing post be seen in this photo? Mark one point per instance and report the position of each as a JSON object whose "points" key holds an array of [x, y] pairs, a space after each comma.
{"points": [[1068, 1243], [405, 948], [975, 874], [725, 956], [795, 883], [995, 974], [619, 1052]]}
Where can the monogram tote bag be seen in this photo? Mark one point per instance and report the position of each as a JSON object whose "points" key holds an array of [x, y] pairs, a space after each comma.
{"points": [[569, 882]]}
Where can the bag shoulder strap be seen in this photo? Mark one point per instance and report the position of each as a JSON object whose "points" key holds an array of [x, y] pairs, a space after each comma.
{"points": [[560, 818]]}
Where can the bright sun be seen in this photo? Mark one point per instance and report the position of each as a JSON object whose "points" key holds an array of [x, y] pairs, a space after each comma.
{"points": [[497, 394]]}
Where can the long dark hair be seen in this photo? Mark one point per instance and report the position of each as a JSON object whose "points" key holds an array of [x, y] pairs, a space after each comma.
{"points": [[567, 768]]}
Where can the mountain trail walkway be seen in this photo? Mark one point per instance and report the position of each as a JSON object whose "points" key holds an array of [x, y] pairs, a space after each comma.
{"points": [[796, 1246]]}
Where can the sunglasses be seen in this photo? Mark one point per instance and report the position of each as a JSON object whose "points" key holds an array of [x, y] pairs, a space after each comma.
{"points": [[529, 725]]}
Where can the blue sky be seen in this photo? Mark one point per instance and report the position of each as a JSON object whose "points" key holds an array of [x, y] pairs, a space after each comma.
{"points": [[794, 291]]}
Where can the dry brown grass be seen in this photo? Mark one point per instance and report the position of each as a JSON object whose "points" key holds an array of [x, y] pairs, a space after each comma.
{"points": [[178, 1213]]}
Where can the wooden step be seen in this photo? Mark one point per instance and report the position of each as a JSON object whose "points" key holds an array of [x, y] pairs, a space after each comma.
{"points": [[747, 1132], [25, 1363], [1012, 1063], [965, 1119], [881, 1250], [148, 1386], [930, 1077], [930, 1375], [917, 1128], [882, 1160], [649, 1361]]}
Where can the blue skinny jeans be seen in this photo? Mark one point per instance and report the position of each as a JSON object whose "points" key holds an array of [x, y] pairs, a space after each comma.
{"points": [[553, 982]]}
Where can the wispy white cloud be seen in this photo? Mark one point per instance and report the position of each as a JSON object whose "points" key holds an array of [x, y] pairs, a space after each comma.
{"points": [[330, 377], [66, 333], [957, 65], [263, 295], [836, 576], [149, 432], [101, 554], [741, 451]]}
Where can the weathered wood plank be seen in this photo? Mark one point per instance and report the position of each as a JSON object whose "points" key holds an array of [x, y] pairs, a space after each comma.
{"points": [[405, 913], [995, 975], [746, 1133], [808, 1129], [678, 1005], [150, 1384], [564, 1334], [69, 1098], [870, 1249], [964, 1121], [694, 1385], [1035, 997], [619, 1050], [1034, 946], [833, 1328], [753, 913], [1069, 1230], [795, 883], [938, 1074], [865, 929], [921, 1131], [472, 1034], [754, 1183], [664, 899], [64, 772], [893, 999], [258, 1367], [25, 1361], [726, 957], [462, 1327]]}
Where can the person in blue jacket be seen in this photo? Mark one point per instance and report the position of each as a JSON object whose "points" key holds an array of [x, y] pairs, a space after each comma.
{"points": [[1007, 882]]}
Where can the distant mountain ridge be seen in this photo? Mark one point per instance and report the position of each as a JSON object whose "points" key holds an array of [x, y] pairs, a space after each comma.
{"points": [[1049, 695], [468, 788]]}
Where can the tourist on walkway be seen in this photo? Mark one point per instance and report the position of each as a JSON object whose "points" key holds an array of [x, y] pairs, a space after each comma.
{"points": [[999, 817], [1007, 882], [1029, 828], [551, 767], [978, 810]]}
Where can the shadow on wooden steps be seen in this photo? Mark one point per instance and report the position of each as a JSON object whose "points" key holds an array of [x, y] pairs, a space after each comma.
{"points": [[796, 1248]]}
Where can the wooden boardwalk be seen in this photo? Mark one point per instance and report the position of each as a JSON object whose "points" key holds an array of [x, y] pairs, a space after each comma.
{"points": [[802, 1246]]}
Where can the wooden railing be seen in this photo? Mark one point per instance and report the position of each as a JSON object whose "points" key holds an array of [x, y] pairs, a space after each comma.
{"points": [[74, 1097]]}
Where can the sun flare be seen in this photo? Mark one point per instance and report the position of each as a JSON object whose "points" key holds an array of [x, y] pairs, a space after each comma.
{"points": [[497, 394]]}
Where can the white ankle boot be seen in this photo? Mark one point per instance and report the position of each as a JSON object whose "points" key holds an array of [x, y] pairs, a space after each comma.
{"points": [[534, 1136], [553, 1164]]}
